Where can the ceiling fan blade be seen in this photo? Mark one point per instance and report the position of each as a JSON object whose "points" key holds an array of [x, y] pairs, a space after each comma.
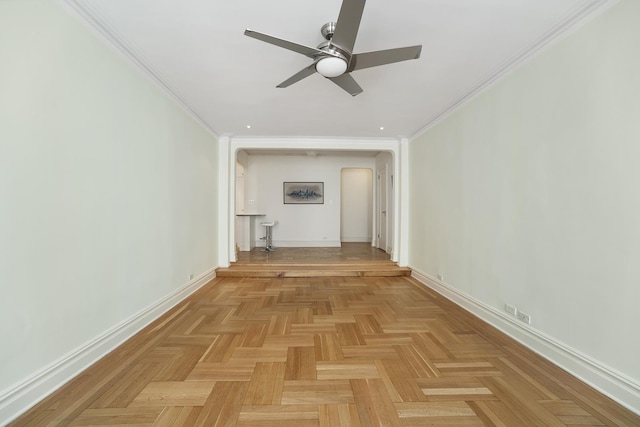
{"points": [[382, 57], [305, 50], [346, 82], [305, 72], [348, 24]]}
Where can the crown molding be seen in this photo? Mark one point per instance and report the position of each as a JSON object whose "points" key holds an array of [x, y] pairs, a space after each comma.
{"points": [[571, 22], [100, 25]]}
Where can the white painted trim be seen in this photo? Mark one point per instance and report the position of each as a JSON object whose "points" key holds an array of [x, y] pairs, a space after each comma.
{"points": [[401, 205], [566, 26], [226, 203], [17, 399], [380, 218], [227, 186], [316, 143], [616, 385], [100, 26], [301, 243]]}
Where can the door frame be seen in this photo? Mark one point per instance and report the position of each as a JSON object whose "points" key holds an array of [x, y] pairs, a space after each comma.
{"points": [[382, 209], [229, 146]]}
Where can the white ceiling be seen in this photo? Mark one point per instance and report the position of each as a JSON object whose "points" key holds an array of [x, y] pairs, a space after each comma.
{"points": [[196, 49]]}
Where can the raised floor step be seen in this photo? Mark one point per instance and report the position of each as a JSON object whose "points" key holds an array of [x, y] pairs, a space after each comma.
{"points": [[384, 269]]}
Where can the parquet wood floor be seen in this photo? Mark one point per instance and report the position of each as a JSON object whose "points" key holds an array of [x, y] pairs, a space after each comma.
{"points": [[323, 351]]}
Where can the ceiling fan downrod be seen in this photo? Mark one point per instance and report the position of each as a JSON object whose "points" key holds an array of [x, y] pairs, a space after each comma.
{"points": [[328, 30]]}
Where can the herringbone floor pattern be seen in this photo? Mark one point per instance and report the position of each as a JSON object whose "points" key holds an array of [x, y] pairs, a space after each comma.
{"points": [[323, 352]]}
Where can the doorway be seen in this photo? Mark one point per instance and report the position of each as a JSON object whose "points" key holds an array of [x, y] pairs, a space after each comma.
{"points": [[383, 208], [356, 205]]}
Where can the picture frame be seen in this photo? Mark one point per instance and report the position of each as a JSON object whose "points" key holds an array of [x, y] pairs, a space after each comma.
{"points": [[303, 193]]}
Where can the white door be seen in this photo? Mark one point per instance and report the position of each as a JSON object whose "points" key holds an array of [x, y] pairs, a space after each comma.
{"points": [[382, 209]]}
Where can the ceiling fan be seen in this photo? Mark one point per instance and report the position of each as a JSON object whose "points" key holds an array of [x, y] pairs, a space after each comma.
{"points": [[334, 58]]}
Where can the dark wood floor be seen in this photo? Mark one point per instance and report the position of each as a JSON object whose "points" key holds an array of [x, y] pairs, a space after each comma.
{"points": [[323, 351]]}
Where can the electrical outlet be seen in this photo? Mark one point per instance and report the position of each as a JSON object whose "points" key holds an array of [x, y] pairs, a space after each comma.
{"points": [[191, 276], [440, 277], [524, 317], [511, 309]]}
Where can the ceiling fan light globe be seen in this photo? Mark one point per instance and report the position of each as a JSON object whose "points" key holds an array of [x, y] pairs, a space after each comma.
{"points": [[331, 66]]}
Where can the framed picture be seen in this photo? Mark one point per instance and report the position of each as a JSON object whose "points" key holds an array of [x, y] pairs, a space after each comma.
{"points": [[303, 193]]}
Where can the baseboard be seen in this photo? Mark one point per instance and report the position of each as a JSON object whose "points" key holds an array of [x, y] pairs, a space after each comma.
{"points": [[356, 239], [619, 387], [301, 243], [17, 399]]}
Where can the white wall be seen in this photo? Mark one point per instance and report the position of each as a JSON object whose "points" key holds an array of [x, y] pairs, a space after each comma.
{"points": [[299, 225], [529, 195], [108, 199], [356, 205]]}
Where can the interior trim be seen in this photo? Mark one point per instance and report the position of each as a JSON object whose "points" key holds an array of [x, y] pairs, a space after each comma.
{"points": [[617, 386], [570, 23], [16, 400]]}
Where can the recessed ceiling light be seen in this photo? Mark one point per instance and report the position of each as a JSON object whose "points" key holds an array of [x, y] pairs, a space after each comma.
{"points": [[248, 126], [381, 127]]}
